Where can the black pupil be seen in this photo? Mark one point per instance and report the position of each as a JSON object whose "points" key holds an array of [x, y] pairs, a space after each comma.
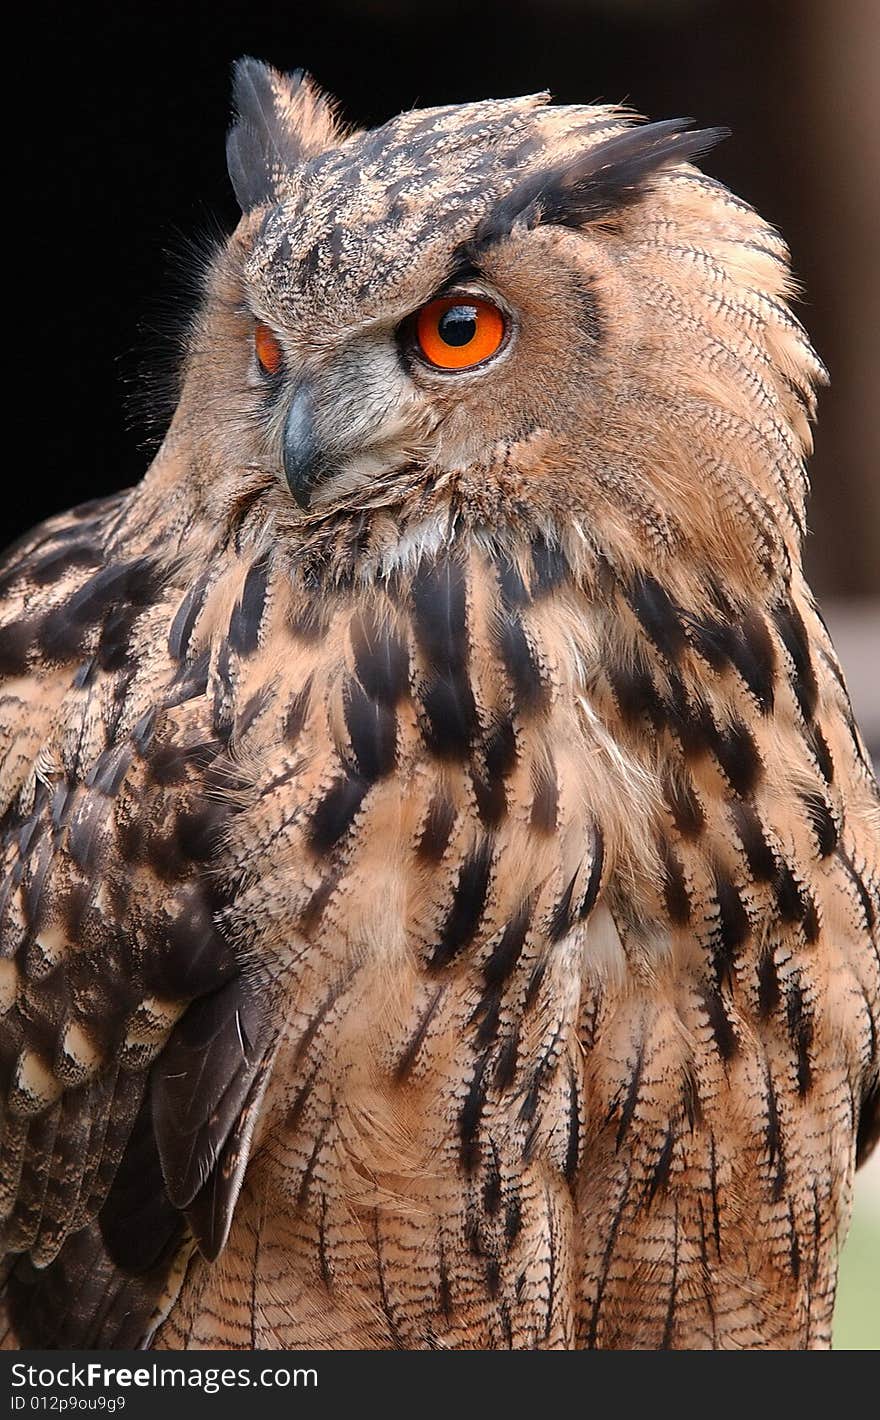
{"points": [[458, 325]]}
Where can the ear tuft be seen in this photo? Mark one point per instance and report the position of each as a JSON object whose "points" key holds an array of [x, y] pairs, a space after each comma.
{"points": [[282, 120], [599, 183], [616, 174]]}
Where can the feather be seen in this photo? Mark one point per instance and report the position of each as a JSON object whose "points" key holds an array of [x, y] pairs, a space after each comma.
{"points": [[282, 121], [598, 184]]}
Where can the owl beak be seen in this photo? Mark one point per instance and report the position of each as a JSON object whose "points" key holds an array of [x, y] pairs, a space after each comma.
{"points": [[302, 453]]}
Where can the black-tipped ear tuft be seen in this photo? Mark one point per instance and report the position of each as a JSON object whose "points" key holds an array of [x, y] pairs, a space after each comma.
{"points": [[617, 172], [282, 120], [597, 184]]}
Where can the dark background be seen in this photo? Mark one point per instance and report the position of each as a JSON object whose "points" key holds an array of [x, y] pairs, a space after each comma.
{"points": [[123, 128]]}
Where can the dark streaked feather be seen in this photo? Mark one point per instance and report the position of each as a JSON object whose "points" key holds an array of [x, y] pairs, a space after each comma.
{"points": [[266, 141], [210, 1212], [200, 1085], [82, 1300], [598, 183]]}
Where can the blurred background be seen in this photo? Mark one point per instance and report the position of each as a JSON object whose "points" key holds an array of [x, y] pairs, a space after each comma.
{"points": [[123, 130]]}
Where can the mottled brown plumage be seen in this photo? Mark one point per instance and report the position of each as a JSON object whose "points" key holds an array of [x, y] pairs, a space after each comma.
{"points": [[444, 914]]}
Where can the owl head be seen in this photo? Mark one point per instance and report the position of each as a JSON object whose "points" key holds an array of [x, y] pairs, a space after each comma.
{"points": [[498, 316]]}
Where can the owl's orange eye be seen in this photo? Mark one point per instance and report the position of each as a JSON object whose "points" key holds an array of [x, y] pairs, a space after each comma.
{"points": [[456, 332], [268, 349]]}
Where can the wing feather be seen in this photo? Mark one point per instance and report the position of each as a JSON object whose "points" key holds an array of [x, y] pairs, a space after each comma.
{"points": [[130, 1046]]}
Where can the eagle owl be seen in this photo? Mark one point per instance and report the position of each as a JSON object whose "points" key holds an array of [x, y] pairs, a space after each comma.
{"points": [[439, 865]]}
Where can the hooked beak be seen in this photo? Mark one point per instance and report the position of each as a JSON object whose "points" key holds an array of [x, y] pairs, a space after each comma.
{"points": [[346, 428], [302, 454]]}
